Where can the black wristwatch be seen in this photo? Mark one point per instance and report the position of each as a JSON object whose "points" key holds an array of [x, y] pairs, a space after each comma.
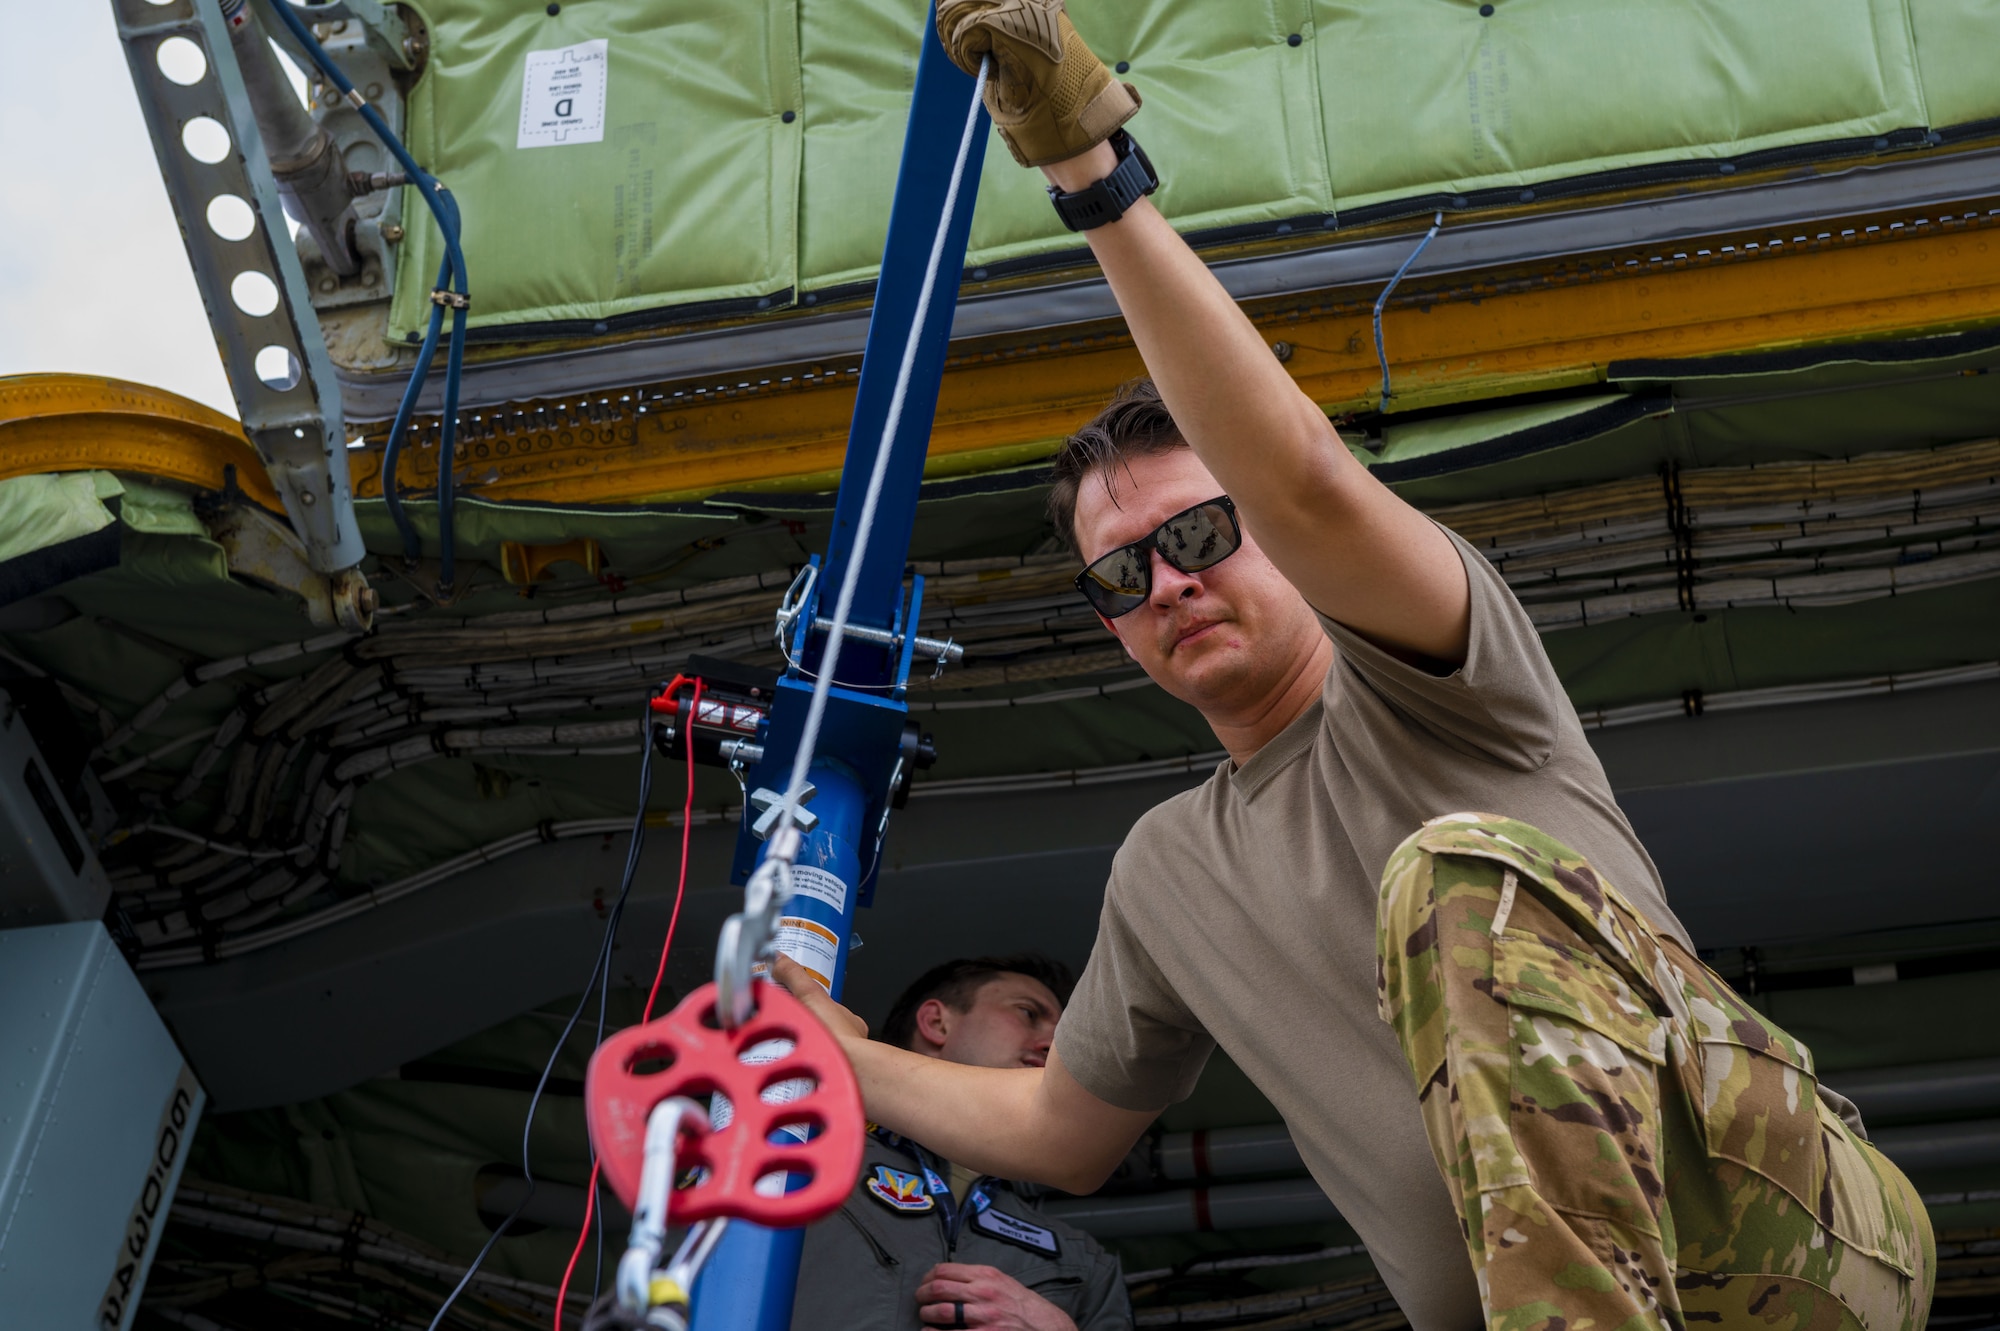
{"points": [[1106, 201]]}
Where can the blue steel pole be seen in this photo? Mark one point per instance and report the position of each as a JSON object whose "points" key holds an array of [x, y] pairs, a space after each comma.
{"points": [[938, 108], [749, 1281]]}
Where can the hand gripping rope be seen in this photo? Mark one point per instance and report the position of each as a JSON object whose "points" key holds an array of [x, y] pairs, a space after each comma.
{"points": [[648, 1128]]}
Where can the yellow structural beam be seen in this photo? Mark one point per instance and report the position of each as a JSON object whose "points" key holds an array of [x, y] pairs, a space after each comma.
{"points": [[1482, 340], [78, 422], [1009, 400]]}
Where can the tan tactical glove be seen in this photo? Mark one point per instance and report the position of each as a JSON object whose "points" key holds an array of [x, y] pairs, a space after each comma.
{"points": [[1050, 98]]}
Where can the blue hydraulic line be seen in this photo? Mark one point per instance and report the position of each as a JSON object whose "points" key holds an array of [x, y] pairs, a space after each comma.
{"points": [[1381, 301], [412, 545], [451, 277], [454, 367]]}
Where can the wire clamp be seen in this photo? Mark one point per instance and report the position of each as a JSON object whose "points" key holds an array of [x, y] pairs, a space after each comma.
{"points": [[451, 299], [792, 605]]}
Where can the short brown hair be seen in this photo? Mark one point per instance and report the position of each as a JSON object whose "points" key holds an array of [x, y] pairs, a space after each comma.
{"points": [[955, 983], [1134, 423]]}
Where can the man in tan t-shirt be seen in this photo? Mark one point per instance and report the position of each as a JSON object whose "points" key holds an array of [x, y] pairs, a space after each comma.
{"points": [[1500, 1061]]}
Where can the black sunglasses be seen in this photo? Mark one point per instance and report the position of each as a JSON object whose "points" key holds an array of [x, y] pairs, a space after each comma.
{"points": [[1192, 540]]}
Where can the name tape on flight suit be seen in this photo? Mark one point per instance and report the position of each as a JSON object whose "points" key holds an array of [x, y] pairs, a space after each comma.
{"points": [[1014, 1230]]}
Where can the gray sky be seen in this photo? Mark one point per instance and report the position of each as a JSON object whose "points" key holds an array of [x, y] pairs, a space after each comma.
{"points": [[93, 277]]}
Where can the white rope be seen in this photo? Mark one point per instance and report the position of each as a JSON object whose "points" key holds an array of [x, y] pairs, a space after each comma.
{"points": [[864, 525]]}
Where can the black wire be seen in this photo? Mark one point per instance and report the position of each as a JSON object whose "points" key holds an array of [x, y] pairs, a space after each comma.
{"points": [[601, 967]]}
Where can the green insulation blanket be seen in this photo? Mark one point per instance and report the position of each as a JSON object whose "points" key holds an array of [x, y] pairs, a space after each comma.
{"points": [[37, 512], [702, 157]]}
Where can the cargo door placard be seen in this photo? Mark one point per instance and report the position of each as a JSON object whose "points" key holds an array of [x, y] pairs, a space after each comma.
{"points": [[562, 95]]}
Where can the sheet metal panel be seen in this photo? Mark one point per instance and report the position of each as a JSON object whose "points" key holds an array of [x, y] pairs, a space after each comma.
{"points": [[97, 1112]]}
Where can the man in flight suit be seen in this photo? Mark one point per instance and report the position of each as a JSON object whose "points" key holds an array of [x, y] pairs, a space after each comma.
{"points": [[1487, 1032], [925, 1243]]}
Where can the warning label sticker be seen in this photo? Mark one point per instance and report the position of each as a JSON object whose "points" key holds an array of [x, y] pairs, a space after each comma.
{"points": [[562, 95], [809, 880], [811, 945]]}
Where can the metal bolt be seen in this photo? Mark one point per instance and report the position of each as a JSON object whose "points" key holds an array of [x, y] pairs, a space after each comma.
{"points": [[308, 498], [1282, 350], [392, 233]]}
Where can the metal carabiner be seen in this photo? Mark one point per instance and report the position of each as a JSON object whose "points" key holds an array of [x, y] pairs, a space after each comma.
{"points": [[746, 936], [641, 1284]]}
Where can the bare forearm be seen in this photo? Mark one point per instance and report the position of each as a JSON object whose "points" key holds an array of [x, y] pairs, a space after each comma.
{"points": [[1218, 376], [1355, 550], [1000, 1121], [1038, 1124], [976, 1116]]}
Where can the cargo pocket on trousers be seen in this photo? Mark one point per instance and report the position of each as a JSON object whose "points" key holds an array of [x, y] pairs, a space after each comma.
{"points": [[1585, 1058], [1759, 1100]]}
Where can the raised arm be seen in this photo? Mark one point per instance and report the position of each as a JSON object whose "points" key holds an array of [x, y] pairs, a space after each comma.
{"points": [[1035, 1124], [1357, 553]]}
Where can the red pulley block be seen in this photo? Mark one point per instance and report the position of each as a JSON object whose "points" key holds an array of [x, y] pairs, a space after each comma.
{"points": [[687, 1053]]}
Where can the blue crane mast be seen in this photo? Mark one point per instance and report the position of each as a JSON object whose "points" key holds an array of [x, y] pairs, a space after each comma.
{"points": [[865, 745]]}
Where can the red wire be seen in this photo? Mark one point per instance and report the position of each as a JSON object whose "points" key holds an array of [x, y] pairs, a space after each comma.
{"points": [[680, 893], [680, 889], [589, 1204]]}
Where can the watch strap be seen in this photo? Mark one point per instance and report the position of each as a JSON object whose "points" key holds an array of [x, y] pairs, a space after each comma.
{"points": [[1108, 199]]}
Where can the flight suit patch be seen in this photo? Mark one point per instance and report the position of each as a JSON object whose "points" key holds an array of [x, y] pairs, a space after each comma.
{"points": [[900, 1191]]}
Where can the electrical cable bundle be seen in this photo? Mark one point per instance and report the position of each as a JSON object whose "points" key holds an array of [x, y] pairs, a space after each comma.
{"points": [[349, 1268], [277, 773]]}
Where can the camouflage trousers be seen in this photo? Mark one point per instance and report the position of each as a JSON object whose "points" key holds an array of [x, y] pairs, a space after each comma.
{"points": [[1628, 1143]]}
